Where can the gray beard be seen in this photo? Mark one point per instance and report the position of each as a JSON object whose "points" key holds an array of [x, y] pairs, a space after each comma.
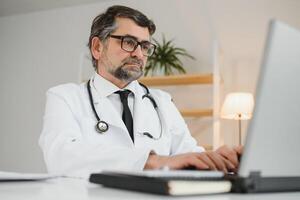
{"points": [[125, 75]]}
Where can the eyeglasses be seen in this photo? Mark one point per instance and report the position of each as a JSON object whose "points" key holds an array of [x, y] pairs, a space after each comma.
{"points": [[129, 44]]}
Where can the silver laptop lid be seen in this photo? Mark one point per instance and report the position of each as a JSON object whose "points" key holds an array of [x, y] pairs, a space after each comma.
{"points": [[273, 141]]}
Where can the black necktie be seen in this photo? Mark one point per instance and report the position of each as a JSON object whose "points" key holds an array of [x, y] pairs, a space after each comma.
{"points": [[126, 115]]}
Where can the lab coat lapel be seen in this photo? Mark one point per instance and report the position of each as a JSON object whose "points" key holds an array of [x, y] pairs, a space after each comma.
{"points": [[138, 118], [145, 113]]}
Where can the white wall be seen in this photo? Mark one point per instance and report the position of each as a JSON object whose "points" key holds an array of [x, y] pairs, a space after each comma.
{"points": [[241, 27], [42, 49]]}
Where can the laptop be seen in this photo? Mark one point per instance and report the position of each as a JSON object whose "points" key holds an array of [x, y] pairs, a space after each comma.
{"points": [[271, 160]]}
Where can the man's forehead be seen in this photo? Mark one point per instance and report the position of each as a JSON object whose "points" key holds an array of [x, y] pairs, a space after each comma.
{"points": [[126, 26]]}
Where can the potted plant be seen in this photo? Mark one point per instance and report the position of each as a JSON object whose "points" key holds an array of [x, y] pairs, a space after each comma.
{"points": [[166, 58]]}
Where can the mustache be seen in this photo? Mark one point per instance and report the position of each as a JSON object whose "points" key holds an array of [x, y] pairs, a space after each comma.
{"points": [[132, 60]]}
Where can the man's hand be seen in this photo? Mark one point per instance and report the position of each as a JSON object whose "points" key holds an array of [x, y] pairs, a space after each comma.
{"points": [[209, 160], [232, 155], [223, 159]]}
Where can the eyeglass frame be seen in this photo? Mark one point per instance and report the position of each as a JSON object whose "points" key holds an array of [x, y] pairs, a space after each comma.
{"points": [[121, 37]]}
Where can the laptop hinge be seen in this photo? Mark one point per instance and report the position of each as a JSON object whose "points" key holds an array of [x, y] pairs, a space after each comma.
{"points": [[247, 184], [257, 183]]}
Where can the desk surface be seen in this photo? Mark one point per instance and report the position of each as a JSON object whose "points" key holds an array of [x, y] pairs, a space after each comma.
{"points": [[68, 188]]}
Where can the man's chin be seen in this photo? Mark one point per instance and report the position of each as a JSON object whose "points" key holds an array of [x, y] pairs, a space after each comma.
{"points": [[136, 68], [128, 73], [135, 74]]}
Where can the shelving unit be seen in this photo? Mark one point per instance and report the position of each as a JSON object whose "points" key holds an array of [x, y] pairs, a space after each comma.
{"points": [[183, 80]]}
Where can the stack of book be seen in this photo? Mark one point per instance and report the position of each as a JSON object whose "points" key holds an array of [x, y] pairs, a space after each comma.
{"points": [[174, 182]]}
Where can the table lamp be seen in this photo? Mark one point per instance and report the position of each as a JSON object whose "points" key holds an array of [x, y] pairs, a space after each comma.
{"points": [[238, 106]]}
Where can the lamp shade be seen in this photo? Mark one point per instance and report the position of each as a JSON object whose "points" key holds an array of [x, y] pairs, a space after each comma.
{"points": [[238, 106]]}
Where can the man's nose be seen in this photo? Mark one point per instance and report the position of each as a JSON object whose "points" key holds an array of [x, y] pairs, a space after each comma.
{"points": [[138, 52]]}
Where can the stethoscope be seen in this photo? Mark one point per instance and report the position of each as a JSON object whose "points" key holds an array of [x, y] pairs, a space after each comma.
{"points": [[102, 126]]}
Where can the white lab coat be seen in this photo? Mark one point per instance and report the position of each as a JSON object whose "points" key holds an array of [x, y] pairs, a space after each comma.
{"points": [[71, 145]]}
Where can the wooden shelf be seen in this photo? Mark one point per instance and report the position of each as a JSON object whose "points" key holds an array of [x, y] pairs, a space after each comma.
{"points": [[177, 80], [196, 112]]}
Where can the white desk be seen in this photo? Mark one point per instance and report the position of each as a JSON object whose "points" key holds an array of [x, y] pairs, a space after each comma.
{"points": [[73, 189]]}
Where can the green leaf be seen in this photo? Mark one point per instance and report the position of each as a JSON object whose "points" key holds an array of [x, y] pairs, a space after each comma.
{"points": [[166, 58]]}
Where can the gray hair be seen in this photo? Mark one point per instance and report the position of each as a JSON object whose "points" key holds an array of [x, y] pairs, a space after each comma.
{"points": [[105, 23]]}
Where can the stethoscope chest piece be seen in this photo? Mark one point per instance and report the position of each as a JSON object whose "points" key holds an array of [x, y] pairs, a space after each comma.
{"points": [[101, 127]]}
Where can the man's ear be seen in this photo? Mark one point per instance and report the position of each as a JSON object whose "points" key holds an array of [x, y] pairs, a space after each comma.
{"points": [[96, 48]]}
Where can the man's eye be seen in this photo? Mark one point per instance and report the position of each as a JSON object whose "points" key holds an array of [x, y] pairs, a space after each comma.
{"points": [[129, 42], [146, 46]]}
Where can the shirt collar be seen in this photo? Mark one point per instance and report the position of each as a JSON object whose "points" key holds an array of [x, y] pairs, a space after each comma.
{"points": [[105, 88]]}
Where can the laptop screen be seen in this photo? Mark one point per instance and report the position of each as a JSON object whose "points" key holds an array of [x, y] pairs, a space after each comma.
{"points": [[273, 140]]}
